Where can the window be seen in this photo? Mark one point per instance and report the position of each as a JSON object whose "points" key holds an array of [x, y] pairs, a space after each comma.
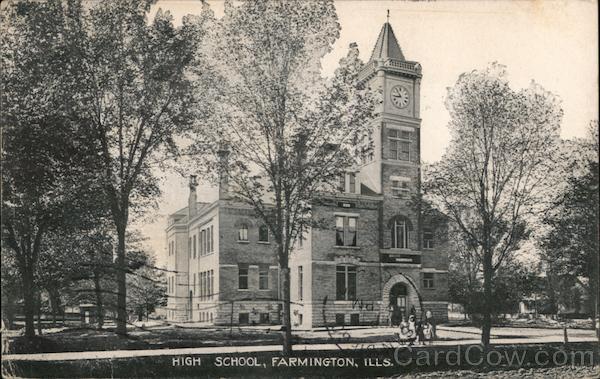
{"points": [[243, 233], [400, 234], [212, 241], [342, 183], [300, 319], [203, 242], [194, 285], [345, 231], [340, 319], [243, 277], [399, 144], [244, 318], [428, 280], [212, 284], [339, 231], [263, 277], [354, 319], [427, 239], [194, 243], [300, 282], [352, 188], [263, 233], [346, 283], [400, 188], [206, 242], [264, 318]]}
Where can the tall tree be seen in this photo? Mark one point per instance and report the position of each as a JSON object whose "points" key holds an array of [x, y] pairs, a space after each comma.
{"points": [[493, 176], [136, 98], [45, 165], [281, 131]]}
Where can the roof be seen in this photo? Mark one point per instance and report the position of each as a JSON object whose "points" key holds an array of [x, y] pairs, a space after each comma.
{"points": [[387, 45]]}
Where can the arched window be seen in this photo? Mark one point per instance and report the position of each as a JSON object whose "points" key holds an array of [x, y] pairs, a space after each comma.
{"points": [[400, 228], [243, 232]]}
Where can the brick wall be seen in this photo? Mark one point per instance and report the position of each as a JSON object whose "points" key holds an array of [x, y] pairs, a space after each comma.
{"points": [[324, 237]]}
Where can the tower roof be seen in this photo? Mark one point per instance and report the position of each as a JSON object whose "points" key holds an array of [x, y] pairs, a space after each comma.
{"points": [[387, 45]]}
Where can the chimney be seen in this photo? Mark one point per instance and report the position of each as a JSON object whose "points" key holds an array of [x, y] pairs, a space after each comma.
{"points": [[192, 200], [223, 155]]}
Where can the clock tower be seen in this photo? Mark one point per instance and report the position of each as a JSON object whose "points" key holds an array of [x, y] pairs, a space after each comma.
{"points": [[393, 170]]}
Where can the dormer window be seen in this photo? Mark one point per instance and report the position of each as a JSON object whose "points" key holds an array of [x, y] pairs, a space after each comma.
{"points": [[347, 183], [352, 183]]}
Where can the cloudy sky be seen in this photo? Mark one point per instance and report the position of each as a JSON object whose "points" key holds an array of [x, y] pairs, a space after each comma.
{"points": [[551, 42]]}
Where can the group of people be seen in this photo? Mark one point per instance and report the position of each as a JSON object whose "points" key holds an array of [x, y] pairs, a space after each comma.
{"points": [[417, 331]]}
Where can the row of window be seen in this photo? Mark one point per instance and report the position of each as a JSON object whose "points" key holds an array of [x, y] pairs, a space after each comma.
{"points": [[345, 282], [205, 285], [400, 141], [263, 233], [244, 318], [346, 233], [205, 316], [399, 145], [243, 276], [202, 243]]}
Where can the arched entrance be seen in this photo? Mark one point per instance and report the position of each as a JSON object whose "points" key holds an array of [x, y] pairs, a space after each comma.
{"points": [[398, 302], [400, 295]]}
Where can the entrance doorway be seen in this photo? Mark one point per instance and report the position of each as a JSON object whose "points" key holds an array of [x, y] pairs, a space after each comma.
{"points": [[398, 302]]}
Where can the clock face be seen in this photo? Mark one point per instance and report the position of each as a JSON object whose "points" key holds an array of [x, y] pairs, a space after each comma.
{"points": [[399, 96]]}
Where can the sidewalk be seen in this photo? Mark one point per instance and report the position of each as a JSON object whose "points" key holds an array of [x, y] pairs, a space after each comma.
{"points": [[271, 348]]}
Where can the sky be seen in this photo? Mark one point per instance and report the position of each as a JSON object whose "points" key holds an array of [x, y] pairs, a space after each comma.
{"points": [[553, 43]]}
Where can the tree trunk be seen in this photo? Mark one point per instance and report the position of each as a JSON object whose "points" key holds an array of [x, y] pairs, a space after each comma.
{"points": [[28, 302], [486, 326], [99, 305], [121, 280], [53, 305], [287, 324], [39, 312]]}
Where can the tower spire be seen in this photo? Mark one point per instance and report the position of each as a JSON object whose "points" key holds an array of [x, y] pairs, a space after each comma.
{"points": [[387, 45]]}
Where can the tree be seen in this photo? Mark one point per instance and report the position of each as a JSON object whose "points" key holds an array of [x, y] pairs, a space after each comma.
{"points": [[282, 132], [11, 289], [134, 97], [493, 177], [570, 244], [512, 283], [45, 165], [147, 289]]}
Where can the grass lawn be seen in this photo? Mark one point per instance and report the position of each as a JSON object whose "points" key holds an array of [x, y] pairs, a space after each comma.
{"points": [[88, 339]]}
